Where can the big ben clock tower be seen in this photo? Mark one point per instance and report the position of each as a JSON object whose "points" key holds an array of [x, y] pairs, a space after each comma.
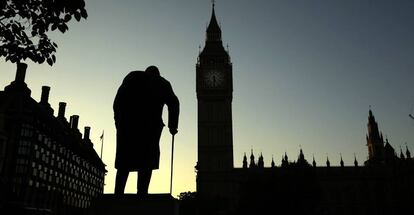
{"points": [[214, 84]]}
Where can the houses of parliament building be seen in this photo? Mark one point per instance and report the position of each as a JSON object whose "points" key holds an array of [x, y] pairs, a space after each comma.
{"points": [[46, 166], [384, 184]]}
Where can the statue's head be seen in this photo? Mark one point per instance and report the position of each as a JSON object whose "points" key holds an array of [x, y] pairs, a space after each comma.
{"points": [[153, 70]]}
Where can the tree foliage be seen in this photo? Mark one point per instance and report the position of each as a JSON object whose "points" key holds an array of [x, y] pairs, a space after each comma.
{"points": [[24, 27], [187, 195]]}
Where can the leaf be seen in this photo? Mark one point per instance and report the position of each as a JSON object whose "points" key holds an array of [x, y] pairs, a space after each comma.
{"points": [[40, 60], [33, 57], [49, 61], [83, 13], [77, 15], [15, 28], [68, 17], [54, 58], [54, 26], [24, 35], [62, 28], [13, 60]]}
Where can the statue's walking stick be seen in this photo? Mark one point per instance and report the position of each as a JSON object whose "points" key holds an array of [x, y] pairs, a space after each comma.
{"points": [[172, 162]]}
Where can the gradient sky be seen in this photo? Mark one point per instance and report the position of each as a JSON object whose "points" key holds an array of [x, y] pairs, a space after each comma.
{"points": [[305, 73]]}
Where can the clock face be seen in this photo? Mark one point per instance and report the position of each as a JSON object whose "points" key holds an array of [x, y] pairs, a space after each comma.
{"points": [[214, 78]]}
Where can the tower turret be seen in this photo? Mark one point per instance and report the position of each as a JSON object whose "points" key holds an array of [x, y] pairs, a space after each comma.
{"points": [[252, 162], [328, 164], [260, 162], [313, 161], [285, 161], [245, 161], [301, 159], [213, 33], [375, 141], [407, 152], [389, 152], [402, 157], [355, 161]]}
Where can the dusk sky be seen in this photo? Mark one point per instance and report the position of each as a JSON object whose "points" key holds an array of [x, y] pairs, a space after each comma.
{"points": [[305, 74]]}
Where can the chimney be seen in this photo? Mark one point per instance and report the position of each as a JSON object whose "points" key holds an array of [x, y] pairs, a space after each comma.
{"points": [[44, 99], [18, 84], [70, 121], [74, 121], [86, 133], [21, 72], [62, 106]]}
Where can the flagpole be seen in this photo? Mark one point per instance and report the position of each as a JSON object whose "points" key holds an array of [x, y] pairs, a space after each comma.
{"points": [[102, 142]]}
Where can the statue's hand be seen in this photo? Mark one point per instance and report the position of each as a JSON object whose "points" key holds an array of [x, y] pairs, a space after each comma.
{"points": [[173, 131]]}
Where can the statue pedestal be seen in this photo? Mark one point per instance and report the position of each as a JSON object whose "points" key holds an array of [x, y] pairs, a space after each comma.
{"points": [[109, 204]]}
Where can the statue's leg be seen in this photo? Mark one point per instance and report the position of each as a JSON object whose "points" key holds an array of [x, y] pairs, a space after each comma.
{"points": [[144, 178], [120, 181]]}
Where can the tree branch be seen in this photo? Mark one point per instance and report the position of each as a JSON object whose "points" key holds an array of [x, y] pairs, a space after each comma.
{"points": [[2, 24], [30, 21]]}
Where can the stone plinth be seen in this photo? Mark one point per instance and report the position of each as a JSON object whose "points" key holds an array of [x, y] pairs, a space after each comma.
{"points": [[109, 204]]}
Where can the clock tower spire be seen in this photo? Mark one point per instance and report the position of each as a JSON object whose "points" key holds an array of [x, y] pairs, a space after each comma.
{"points": [[214, 86], [213, 29], [214, 68]]}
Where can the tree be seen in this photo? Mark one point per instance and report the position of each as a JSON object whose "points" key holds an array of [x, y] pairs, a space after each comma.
{"points": [[188, 203], [187, 196], [24, 25]]}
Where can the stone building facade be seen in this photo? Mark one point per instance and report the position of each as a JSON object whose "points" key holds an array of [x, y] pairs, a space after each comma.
{"points": [[46, 166]]}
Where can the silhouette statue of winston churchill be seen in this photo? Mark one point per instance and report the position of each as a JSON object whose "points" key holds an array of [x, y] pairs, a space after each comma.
{"points": [[138, 109]]}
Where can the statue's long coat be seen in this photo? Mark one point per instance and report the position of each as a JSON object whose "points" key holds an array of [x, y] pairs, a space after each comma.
{"points": [[138, 109]]}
